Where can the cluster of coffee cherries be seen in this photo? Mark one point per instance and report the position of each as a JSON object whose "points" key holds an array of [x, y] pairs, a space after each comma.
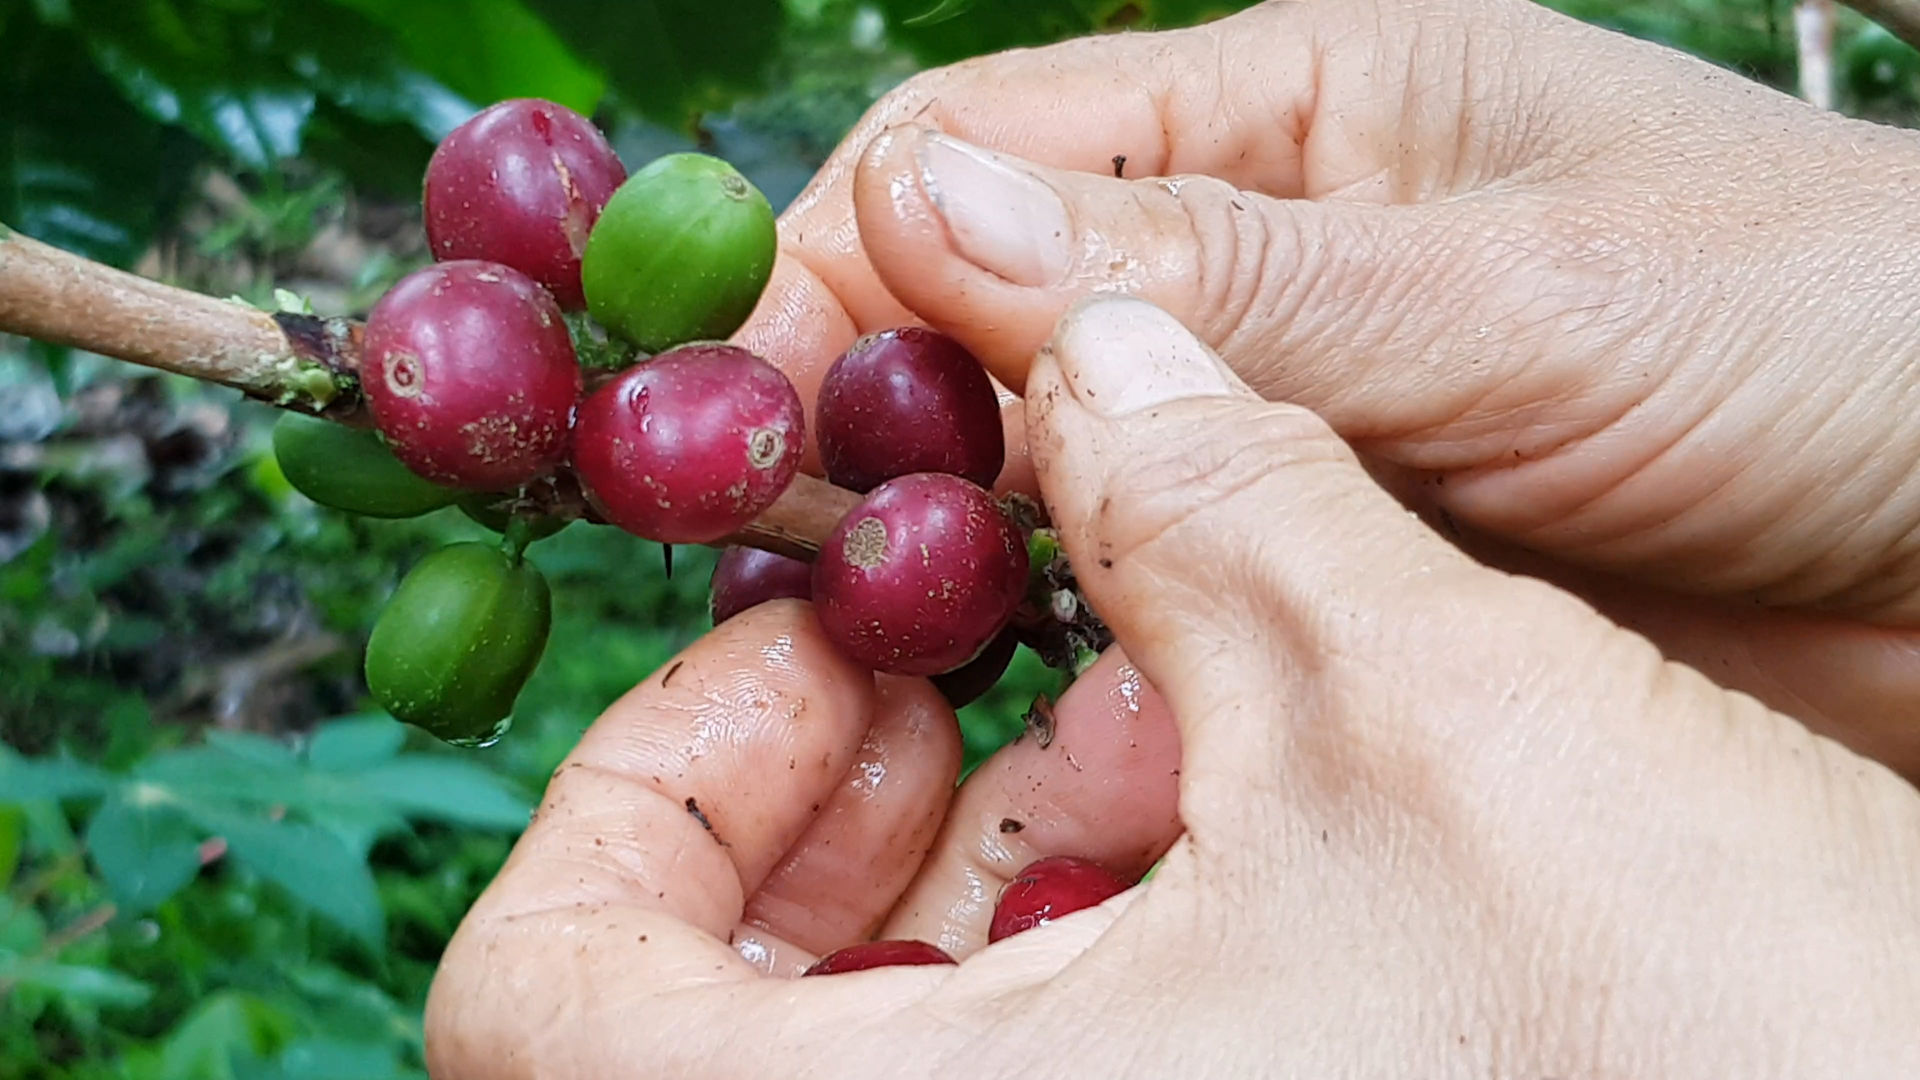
{"points": [[564, 357], [1045, 890], [566, 349]]}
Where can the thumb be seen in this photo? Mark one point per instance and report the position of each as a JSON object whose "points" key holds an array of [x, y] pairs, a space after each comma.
{"points": [[1286, 606], [1340, 305]]}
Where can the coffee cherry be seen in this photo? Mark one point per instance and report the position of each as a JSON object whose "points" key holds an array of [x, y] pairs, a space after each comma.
{"points": [[965, 685], [681, 253], [351, 469], [522, 183], [456, 643], [690, 446], [873, 954], [747, 577], [907, 401], [495, 510], [1050, 889], [919, 576], [471, 375]]}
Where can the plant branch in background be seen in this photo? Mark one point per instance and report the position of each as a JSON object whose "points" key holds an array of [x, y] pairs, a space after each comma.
{"points": [[291, 361]]}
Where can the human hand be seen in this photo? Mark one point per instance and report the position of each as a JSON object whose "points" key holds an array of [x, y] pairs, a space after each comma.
{"points": [[1438, 820], [1637, 325]]}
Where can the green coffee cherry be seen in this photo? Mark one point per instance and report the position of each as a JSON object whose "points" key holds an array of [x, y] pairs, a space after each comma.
{"points": [[351, 469], [490, 509], [456, 644], [681, 253]]}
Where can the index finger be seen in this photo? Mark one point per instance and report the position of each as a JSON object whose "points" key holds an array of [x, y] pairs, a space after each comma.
{"points": [[652, 837]]}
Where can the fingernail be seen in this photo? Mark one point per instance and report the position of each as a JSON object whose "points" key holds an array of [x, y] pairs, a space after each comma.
{"points": [[1002, 219], [1120, 355]]}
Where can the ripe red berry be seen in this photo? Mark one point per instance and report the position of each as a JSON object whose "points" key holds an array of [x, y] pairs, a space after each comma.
{"points": [[964, 685], [691, 445], [1050, 889], [873, 954], [471, 375], [522, 183], [920, 575], [907, 401], [748, 577]]}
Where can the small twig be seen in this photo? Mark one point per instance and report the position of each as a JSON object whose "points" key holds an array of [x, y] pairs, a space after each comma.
{"points": [[30, 891], [293, 361], [77, 929]]}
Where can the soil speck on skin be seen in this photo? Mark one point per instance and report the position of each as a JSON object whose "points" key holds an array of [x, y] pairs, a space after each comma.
{"points": [[866, 546], [1010, 825], [701, 817], [1039, 720]]}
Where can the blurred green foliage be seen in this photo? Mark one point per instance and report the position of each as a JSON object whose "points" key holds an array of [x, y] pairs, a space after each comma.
{"points": [[214, 863]]}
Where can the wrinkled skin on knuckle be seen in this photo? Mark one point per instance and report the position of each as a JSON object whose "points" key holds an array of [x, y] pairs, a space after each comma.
{"points": [[1152, 506], [1246, 262]]}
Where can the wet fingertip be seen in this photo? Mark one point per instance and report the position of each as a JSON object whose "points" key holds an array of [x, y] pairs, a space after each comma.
{"points": [[897, 147]]}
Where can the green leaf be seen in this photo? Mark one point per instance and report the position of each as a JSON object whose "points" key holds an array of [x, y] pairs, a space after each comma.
{"points": [[255, 750], [143, 847], [385, 157], [22, 930], [354, 1009], [672, 59], [204, 66], [216, 774], [359, 70], [335, 1059], [487, 50], [355, 743], [248, 76], [224, 1037], [27, 779], [74, 982], [240, 773], [79, 167], [448, 790], [312, 864], [943, 31], [13, 837]]}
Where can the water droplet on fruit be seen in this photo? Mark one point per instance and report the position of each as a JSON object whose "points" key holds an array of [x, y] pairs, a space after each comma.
{"points": [[481, 742], [1128, 688]]}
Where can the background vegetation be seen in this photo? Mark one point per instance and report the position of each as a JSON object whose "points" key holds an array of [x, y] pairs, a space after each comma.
{"points": [[214, 863]]}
